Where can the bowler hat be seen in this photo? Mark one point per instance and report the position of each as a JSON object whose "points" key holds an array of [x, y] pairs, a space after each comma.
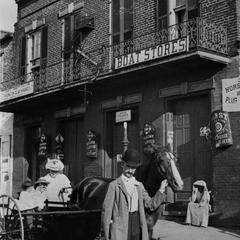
{"points": [[132, 158]]}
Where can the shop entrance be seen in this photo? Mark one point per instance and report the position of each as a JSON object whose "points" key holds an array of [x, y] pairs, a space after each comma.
{"points": [[115, 134], [193, 151], [73, 134]]}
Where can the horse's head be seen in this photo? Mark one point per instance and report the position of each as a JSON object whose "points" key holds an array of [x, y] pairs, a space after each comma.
{"points": [[166, 165]]}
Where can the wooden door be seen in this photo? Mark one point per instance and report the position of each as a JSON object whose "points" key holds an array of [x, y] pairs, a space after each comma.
{"points": [[115, 134], [74, 138], [33, 134], [194, 152]]}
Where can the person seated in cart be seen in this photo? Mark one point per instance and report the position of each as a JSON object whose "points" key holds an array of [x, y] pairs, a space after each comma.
{"points": [[41, 191], [59, 187]]}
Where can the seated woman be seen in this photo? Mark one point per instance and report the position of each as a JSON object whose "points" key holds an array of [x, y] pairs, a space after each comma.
{"points": [[59, 187], [198, 207]]}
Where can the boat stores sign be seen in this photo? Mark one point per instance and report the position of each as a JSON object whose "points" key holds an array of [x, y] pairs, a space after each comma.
{"points": [[231, 94], [151, 53]]}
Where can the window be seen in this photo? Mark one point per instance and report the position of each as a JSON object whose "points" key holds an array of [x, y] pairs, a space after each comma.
{"points": [[122, 20], [72, 35], [36, 45], [33, 54], [162, 10]]}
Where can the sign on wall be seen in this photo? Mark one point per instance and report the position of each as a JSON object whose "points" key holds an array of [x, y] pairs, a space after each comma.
{"points": [[221, 129], [231, 94], [18, 91], [151, 53]]}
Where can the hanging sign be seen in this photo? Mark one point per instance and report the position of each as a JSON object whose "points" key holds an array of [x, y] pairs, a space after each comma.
{"points": [[91, 145], [221, 129], [42, 152], [151, 53], [59, 146], [231, 94], [123, 116]]}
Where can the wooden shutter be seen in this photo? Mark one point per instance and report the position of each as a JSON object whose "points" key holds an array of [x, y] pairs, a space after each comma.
{"points": [[44, 47], [23, 54]]}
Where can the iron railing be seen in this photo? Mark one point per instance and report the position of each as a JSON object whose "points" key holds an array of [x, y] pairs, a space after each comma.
{"points": [[201, 34]]}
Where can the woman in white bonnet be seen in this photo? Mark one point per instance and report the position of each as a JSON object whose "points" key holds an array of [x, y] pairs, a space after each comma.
{"points": [[198, 207], [59, 186]]}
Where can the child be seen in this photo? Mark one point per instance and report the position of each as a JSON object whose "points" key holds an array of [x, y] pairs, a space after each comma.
{"points": [[41, 192]]}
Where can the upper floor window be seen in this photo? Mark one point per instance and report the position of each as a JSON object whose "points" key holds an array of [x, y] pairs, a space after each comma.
{"points": [[33, 54], [162, 11], [122, 20], [72, 36]]}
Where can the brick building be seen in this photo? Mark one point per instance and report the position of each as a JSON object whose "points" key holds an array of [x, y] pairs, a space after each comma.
{"points": [[6, 119], [80, 63]]}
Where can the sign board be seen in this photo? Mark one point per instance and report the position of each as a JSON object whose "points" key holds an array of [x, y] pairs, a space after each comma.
{"points": [[151, 53], [18, 91], [123, 116], [221, 129], [231, 94]]}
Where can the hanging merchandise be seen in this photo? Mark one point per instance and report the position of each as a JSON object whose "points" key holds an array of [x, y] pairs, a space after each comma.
{"points": [[221, 129], [148, 137], [59, 146], [42, 152], [91, 144]]}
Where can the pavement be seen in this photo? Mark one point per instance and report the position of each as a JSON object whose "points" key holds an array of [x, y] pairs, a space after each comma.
{"points": [[170, 230]]}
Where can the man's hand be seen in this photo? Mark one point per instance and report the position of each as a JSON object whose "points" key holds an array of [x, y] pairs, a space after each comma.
{"points": [[164, 184]]}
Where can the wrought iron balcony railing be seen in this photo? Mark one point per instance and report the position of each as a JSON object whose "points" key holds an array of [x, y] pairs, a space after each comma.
{"points": [[201, 35], [94, 63]]}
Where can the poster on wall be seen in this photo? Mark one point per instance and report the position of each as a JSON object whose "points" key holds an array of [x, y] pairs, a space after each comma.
{"points": [[91, 145], [221, 129], [231, 94]]}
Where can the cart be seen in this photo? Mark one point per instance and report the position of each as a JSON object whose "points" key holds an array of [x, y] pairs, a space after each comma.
{"points": [[53, 223]]}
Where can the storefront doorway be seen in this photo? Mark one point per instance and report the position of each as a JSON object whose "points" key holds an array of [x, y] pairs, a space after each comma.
{"points": [[193, 151], [74, 138], [115, 134]]}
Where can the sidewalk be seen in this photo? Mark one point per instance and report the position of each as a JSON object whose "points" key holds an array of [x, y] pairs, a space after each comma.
{"points": [[170, 230]]}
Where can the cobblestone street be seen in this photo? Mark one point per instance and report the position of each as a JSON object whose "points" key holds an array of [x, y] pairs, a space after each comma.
{"points": [[170, 230]]}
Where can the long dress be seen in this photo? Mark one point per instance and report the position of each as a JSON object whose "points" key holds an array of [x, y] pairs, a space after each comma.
{"points": [[198, 208]]}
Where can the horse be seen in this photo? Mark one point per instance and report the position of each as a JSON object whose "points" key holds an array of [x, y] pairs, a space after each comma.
{"points": [[89, 194]]}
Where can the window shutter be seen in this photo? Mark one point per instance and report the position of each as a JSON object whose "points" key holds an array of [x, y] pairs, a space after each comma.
{"points": [[23, 56], [44, 47], [67, 35]]}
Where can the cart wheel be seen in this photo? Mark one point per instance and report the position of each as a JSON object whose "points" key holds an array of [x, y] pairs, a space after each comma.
{"points": [[11, 222]]}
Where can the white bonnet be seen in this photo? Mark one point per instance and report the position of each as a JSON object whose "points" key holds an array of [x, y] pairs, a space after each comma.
{"points": [[54, 165]]}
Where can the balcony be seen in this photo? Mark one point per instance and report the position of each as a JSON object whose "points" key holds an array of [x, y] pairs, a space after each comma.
{"points": [[197, 37]]}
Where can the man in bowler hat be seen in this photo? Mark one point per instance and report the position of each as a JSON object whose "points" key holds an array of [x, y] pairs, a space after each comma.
{"points": [[123, 215]]}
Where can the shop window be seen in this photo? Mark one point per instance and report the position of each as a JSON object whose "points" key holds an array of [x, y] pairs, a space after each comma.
{"points": [[122, 19], [33, 54]]}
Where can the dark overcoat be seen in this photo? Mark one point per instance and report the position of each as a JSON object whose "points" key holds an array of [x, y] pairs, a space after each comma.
{"points": [[116, 210]]}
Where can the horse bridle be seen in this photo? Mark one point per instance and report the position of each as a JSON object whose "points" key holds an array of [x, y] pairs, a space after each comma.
{"points": [[168, 171]]}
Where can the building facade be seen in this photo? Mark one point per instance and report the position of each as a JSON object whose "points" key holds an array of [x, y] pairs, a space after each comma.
{"points": [[6, 119], [83, 68]]}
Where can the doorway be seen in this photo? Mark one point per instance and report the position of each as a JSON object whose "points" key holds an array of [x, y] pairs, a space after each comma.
{"points": [[74, 138], [115, 135], [193, 151]]}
